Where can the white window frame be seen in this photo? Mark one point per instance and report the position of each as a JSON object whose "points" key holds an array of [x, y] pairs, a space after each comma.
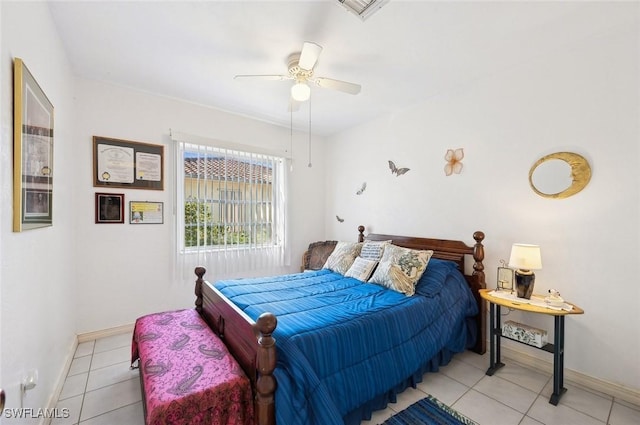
{"points": [[277, 201]]}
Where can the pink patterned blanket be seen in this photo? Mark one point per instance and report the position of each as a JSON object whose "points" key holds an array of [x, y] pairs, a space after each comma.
{"points": [[188, 375]]}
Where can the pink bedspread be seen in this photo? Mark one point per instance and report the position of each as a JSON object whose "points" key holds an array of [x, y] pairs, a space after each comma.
{"points": [[189, 377]]}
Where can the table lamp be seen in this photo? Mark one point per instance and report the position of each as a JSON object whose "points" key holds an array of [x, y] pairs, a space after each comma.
{"points": [[525, 258]]}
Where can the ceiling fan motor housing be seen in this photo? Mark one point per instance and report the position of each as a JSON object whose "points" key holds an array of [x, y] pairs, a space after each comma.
{"points": [[295, 71]]}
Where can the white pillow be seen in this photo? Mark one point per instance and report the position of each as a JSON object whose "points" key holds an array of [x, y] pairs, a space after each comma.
{"points": [[342, 257], [361, 269], [401, 268]]}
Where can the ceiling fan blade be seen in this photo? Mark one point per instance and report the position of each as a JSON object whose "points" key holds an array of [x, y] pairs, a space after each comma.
{"points": [[343, 86], [309, 55], [264, 77]]}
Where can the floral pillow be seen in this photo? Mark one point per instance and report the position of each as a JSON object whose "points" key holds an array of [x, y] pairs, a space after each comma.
{"points": [[361, 269], [401, 268], [342, 257]]}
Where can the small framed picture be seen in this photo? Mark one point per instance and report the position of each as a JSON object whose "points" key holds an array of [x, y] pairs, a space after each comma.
{"points": [[505, 279], [145, 212], [109, 207]]}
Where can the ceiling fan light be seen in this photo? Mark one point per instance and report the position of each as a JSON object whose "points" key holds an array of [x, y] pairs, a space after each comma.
{"points": [[300, 92]]}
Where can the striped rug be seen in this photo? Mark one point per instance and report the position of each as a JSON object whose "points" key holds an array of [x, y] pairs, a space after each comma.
{"points": [[428, 411]]}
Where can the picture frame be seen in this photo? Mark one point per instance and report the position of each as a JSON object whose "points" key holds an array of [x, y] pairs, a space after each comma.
{"points": [[109, 208], [125, 164], [505, 278], [146, 212], [33, 125]]}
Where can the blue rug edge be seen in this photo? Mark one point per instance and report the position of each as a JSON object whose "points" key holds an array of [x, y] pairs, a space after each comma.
{"points": [[417, 414]]}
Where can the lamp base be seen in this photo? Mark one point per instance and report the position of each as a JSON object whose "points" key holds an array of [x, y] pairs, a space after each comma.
{"points": [[524, 283]]}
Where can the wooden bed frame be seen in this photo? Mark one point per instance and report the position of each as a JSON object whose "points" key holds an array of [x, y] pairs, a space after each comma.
{"points": [[253, 346]]}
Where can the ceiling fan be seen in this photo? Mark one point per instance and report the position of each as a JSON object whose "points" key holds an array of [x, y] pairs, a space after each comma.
{"points": [[300, 66]]}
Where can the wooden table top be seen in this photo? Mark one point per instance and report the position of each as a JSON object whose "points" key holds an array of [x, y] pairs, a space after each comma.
{"points": [[523, 305]]}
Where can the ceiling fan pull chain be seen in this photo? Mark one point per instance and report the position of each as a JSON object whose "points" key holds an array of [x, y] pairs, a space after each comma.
{"points": [[309, 165], [291, 135]]}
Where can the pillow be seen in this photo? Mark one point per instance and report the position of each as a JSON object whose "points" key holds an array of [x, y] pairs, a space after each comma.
{"points": [[342, 257], [361, 269], [400, 268], [436, 275], [373, 250]]}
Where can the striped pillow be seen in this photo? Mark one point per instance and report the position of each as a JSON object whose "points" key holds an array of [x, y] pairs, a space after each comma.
{"points": [[373, 250], [361, 269]]}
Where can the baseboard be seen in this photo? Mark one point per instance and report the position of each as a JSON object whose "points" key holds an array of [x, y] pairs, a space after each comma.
{"points": [[91, 336], [619, 392], [53, 400], [84, 337]]}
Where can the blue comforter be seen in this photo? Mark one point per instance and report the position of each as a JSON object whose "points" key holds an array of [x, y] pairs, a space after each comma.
{"points": [[342, 343]]}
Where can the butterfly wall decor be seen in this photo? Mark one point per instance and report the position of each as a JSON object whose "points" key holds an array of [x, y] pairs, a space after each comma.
{"points": [[362, 188], [341, 220], [397, 171], [453, 158]]}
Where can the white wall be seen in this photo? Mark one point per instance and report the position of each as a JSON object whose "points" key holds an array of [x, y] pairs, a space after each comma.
{"points": [[37, 268], [583, 98], [125, 271]]}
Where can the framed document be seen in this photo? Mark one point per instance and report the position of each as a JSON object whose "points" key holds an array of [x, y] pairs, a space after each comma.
{"points": [[133, 165], [32, 152], [144, 212], [109, 208], [505, 279]]}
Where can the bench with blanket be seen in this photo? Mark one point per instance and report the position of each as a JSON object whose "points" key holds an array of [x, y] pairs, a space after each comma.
{"points": [[187, 374]]}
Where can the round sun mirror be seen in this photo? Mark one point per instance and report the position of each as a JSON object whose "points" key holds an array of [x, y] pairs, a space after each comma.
{"points": [[559, 175]]}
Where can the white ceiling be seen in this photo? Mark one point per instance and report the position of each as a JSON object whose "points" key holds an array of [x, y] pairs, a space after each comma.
{"points": [[405, 53]]}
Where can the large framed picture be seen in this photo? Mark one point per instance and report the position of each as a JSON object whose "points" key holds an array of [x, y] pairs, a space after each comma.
{"points": [[125, 164], [109, 208], [32, 152]]}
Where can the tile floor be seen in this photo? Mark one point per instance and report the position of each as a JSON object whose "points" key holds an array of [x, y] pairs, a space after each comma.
{"points": [[100, 389]]}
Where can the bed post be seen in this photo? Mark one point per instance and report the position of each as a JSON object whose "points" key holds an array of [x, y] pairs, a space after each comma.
{"points": [[478, 256], [361, 233], [200, 271], [480, 283], [266, 363]]}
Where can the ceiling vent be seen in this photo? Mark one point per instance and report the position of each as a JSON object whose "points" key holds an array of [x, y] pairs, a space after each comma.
{"points": [[363, 8]]}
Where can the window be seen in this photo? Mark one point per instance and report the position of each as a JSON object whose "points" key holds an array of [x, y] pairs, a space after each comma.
{"points": [[231, 198]]}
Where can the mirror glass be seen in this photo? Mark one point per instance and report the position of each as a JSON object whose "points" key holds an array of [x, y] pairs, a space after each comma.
{"points": [[559, 175], [551, 177]]}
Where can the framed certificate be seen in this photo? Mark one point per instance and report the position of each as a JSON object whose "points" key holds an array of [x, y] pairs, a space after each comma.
{"points": [[505, 279], [32, 152], [125, 164], [144, 212]]}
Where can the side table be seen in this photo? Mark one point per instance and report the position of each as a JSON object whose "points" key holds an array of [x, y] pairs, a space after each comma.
{"points": [[557, 348]]}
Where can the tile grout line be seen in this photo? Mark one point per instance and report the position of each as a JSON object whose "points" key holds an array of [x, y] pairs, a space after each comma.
{"points": [[84, 393], [87, 383]]}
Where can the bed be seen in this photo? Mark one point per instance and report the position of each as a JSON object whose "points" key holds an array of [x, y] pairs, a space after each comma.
{"points": [[338, 364]]}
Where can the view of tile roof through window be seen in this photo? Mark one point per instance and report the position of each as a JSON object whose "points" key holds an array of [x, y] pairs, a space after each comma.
{"points": [[227, 169]]}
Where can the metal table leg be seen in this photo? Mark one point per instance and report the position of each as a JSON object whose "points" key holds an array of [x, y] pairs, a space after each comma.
{"points": [[558, 361], [495, 332]]}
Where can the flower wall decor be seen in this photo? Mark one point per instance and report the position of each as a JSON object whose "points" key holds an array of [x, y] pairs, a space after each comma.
{"points": [[453, 158]]}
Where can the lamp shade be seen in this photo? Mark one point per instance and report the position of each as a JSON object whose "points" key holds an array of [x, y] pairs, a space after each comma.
{"points": [[525, 257], [300, 91]]}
